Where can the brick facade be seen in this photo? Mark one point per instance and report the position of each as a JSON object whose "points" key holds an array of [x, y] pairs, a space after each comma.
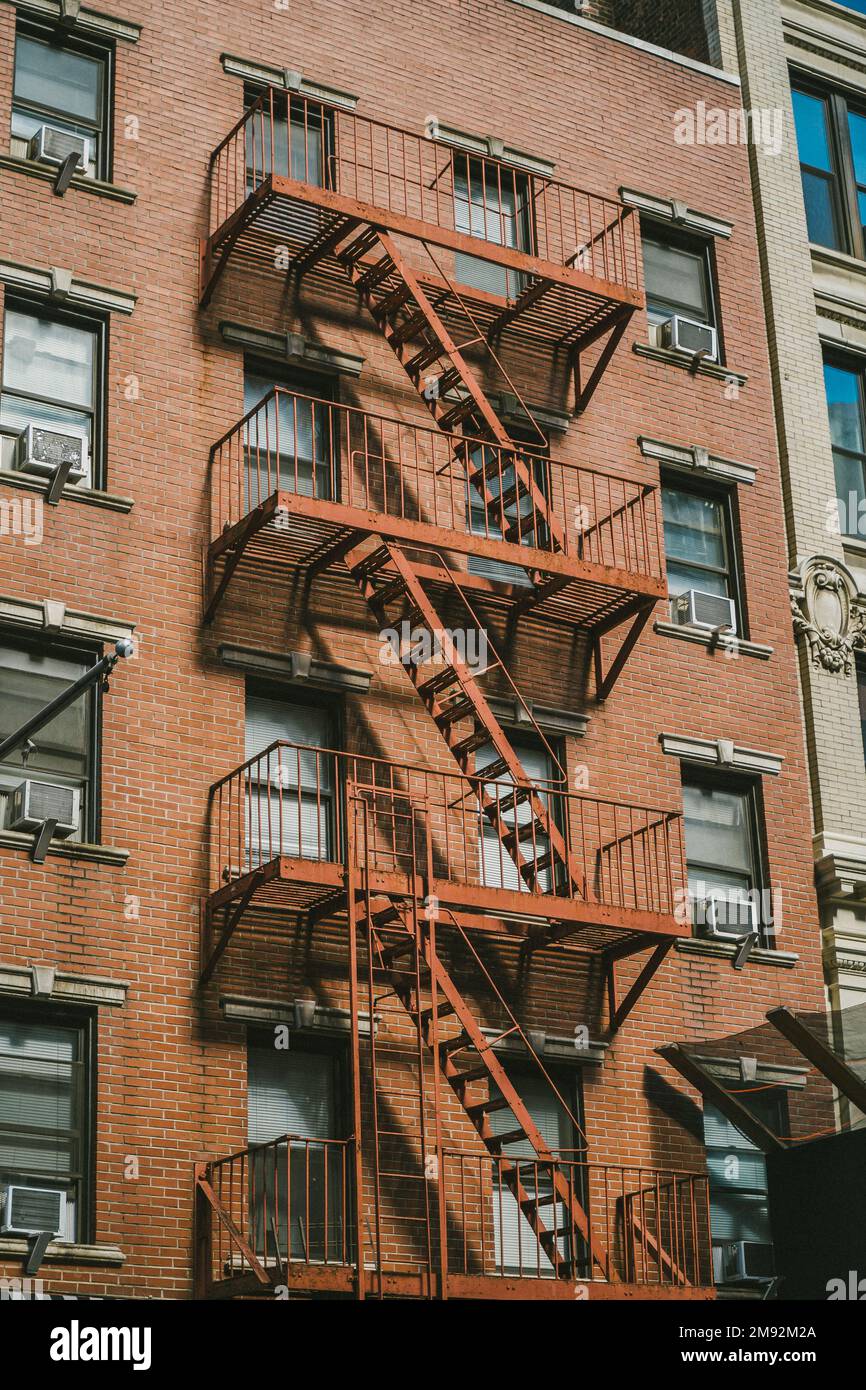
{"points": [[172, 1072]]}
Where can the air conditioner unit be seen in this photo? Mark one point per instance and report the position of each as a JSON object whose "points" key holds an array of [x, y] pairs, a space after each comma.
{"points": [[687, 335], [52, 146], [712, 612], [43, 451], [726, 917], [743, 1261], [29, 1211], [32, 803]]}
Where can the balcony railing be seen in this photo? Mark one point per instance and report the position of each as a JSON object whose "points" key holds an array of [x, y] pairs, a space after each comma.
{"points": [[420, 180], [290, 1205], [417, 475], [294, 800]]}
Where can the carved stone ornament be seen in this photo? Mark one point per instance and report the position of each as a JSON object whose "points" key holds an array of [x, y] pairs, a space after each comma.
{"points": [[825, 608]]}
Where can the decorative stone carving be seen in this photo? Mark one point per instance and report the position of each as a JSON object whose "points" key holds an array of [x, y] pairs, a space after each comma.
{"points": [[825, 609]]}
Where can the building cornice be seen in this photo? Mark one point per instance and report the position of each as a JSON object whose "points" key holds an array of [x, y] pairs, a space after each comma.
{"points": [[290, 79], [65, 987], [94, 22], [692, 458], [64, 286], [54, 617]]}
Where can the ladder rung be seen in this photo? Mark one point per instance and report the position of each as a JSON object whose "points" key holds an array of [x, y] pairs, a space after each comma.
{"points": [[462, 1078], [511, 1136], [483, 1107]]}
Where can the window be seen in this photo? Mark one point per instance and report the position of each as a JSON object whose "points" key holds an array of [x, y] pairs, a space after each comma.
{"points": [[678, 274], [288, 443], [52, 376], [64, 751], [861, 697], [64, 83], [302, 144], [290, 805], [485, 517], [516, 1245], [739, 1203], [843, 383], [831, 139], [298, 1187], [491, 201], [723, 850], [498, 867], [698, 531], [45, 1083]]}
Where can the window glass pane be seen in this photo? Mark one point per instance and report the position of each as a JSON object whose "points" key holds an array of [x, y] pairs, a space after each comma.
{"points": [[821, 220], [676, 281], [850, 492], [694, 528], [291, 1092], [681, 578], [56, 77], [718, 828], [813, 140], [28, 681], [43, 358], [843, 403], [39, 1098], [857, 128]]}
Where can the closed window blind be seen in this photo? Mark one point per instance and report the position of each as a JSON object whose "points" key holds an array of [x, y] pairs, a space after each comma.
{"points": [[739, 1205], [498, 868], [290, 804], [291, 1092]]}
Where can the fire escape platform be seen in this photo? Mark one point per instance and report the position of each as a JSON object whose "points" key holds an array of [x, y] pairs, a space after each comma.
{"points": [[286, 226], [293, 535], [278, 898], [342, 1279]]}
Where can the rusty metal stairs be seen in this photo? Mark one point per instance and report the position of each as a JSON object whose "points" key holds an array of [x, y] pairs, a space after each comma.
{"points": [[405, 313], [402, 953], [386, 577]]}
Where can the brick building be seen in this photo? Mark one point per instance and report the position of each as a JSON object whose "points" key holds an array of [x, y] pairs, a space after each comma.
{"points": [[284, 900]]}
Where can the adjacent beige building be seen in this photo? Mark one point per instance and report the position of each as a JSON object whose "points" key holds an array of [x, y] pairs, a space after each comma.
{"points": [[806, 61]]}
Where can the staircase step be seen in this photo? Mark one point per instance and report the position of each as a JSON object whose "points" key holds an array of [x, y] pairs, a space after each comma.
{"points": [[375, 275], [463, 1078], [508, 803], [455, 711], [511, 1136], [409, 329], [442, 1011], [494, 770], [484, 1107], [425, 358], [546, 1199], [434, 684], [457, 414], [396, 589], [459, 1043], [469, 745]]}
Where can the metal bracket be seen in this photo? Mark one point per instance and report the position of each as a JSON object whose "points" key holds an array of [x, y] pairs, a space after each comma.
{"points": [[70, 11], [58, 482], [41, 840], [63, 177], [36, 1254]]}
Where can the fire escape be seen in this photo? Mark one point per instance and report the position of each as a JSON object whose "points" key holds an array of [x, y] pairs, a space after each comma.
{"points": [[395, 512]]}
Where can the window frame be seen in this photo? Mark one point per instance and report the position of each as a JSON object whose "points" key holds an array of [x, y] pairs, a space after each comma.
{"points": [[839, 103], [728, 499], [63, 650], [854, 365], [750, 788], [102, 52], [85, 1022], [779, 1123], [664, 232], [253, 90], [40, 308], [314, 1041]]}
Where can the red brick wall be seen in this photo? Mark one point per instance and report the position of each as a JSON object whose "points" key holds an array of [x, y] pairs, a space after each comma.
{"points": [[171, 1073]]}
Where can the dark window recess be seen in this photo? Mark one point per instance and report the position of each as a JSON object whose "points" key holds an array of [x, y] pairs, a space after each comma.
{"points": [[516, 1245], [291, 798], [678, 272], [63, 83], [299, 1177], [288, 443], [53, 379], [45, 1116], [861, 697], [65, 752], [831, 139], [724, 854], [293, 137], [491, 201], [739, 1199], [844, 385], [700, 549]]}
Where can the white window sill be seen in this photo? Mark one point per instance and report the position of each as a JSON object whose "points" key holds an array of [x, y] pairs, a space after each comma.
{"points": [[48, 173], [66, 849], [686, 361], [65, 1252], [726, 950], [702, 638]]}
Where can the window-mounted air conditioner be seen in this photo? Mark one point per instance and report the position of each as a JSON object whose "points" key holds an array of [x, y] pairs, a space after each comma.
{"points": [[30, 1211], [712, 612], [32, 803], [52, 146], [743, 1261], [687, 335], [43, 451], [726, 916]]}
